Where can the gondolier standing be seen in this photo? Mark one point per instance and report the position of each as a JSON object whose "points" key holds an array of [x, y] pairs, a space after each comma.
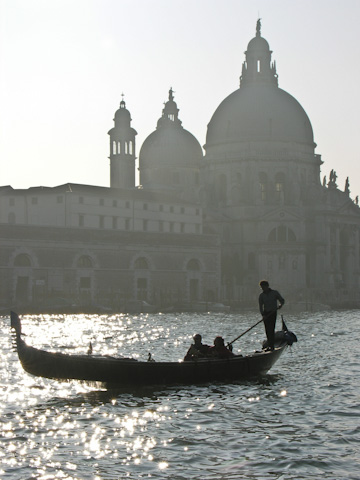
{"points": [[269, 302]]}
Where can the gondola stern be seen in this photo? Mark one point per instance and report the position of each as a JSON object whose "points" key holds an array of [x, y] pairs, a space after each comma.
{"points": [[17, 341], [15, 323]]}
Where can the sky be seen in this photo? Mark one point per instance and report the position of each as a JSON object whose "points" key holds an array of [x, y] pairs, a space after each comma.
{"points": [[64, 65]]}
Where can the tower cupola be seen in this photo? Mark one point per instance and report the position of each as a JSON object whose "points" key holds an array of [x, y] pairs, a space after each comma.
{"points": [[170, 113]]}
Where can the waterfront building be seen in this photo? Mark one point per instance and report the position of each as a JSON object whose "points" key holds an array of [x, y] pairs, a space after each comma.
{"points": [[200, 227]]}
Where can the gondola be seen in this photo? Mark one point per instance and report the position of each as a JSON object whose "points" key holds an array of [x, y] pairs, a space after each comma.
{"points": [[113, 372]]}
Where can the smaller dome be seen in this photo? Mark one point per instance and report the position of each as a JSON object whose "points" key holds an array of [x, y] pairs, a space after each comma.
{"points": [[257, 44], [122, 115], [122, 124], [170, 144]]}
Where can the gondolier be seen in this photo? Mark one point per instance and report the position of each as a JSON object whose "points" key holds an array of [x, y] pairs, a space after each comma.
{"points": [[269, 302]]}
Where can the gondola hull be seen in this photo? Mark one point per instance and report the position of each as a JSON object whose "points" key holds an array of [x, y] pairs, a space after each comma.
{"points": [[125, 372]]}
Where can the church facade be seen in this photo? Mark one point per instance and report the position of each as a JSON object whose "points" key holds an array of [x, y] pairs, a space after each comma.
{"points": [[201, 227], [264, 195]]}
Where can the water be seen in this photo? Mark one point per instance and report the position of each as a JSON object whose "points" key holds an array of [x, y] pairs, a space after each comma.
{"points": [[299, 422]]}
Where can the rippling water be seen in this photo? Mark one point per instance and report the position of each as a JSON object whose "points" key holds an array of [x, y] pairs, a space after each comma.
{"points": [[302, 421]]}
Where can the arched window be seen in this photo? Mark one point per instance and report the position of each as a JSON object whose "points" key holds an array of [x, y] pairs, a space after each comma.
{"points": [[263, 182], [141, 264], [279, 185], [114, 148], [22, 260], [291, 237], [282, 261], [118, 147], [193, 264], [282, 234], [84, 262], [11, 218]]}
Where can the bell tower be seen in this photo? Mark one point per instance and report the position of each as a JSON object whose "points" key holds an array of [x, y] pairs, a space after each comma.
{"points": [[122, 150]]}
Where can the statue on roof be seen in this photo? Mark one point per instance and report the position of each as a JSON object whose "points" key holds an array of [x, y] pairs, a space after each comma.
{"points": [[258, 28], [171, 96], [332, 181], [347, 185]]}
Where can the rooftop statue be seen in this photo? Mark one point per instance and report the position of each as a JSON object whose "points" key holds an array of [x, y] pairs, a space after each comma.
{"points": [[258, 28], [347, 185], [333, 177]]}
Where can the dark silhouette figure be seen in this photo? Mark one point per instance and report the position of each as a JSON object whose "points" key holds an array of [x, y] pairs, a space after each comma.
{"points": [[219, 350], [269, 302], [197, 349]]}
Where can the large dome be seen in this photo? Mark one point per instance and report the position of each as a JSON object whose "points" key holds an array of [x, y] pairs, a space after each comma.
{"points": [[259, 112]]}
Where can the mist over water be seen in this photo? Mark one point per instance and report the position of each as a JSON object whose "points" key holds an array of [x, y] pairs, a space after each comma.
{"points": [[301, 421]]}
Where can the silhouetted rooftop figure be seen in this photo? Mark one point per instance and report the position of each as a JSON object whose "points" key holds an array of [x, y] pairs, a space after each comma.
{"points": [[258, 28], [347, 185], [332, 181]]}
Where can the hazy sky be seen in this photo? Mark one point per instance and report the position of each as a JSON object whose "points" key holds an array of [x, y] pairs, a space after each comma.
{"points": [[65, 63]]}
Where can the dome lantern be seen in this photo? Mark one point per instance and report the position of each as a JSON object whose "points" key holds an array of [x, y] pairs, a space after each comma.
{"points": [[257, 67], [170, 113]]}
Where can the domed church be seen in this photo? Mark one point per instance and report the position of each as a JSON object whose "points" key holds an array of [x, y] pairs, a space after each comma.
{"points": [[261, 180], [260, 189], [205, 224]]}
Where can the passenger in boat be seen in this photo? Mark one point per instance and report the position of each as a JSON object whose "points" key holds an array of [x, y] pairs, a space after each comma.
{"points": [[269, 303], [197, 349], [219, 350]]}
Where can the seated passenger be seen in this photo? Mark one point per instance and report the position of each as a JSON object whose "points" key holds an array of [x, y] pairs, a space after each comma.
{"points": [[219, 350], [197, 349]]}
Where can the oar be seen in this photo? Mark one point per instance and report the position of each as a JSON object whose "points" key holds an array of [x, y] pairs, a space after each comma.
{"points": [[248, 330]]}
